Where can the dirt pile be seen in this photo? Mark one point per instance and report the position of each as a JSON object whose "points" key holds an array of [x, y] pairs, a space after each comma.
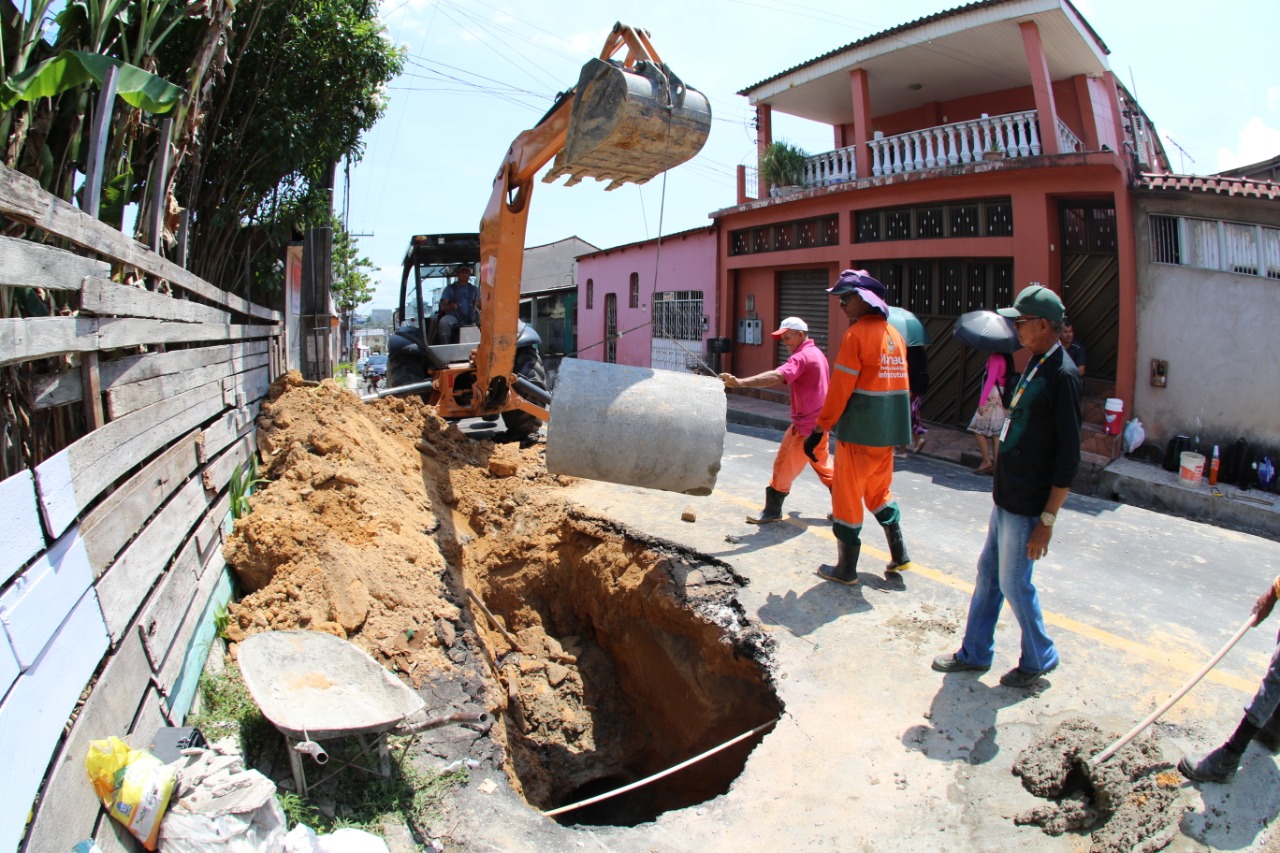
{"points": [[458, 564], [1131, 798]]}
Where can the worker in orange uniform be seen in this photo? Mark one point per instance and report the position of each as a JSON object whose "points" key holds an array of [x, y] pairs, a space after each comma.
{"points": [[806, 374], [868, 406]]}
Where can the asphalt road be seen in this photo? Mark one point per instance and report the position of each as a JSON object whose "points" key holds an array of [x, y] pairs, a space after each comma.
{"points": [[878, 752]]}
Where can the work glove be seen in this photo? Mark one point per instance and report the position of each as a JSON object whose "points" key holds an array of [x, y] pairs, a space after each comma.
{"points": [[730, 381], [1262, 607], [811, 443]]}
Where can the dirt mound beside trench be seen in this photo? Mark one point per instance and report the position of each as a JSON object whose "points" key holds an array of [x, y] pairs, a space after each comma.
{"points": [[607, 655]]}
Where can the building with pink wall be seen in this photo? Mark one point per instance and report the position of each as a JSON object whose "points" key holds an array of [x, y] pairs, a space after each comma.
{"points": [[649, 304]]}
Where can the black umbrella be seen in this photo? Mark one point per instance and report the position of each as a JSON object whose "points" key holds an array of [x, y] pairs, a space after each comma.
{"points": [[987, 331]]}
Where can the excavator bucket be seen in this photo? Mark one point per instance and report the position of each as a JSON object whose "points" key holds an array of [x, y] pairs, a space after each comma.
{"points": [[629, 124], [659, 429]]}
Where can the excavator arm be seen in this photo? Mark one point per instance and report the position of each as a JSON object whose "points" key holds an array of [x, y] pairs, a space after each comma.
{"points": [[627, 120]]}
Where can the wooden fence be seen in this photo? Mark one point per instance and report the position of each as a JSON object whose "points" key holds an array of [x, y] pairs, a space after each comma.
{"points": [[110, 549]]}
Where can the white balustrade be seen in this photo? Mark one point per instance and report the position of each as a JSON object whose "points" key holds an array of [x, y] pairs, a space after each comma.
{"points": [[953, 144]]}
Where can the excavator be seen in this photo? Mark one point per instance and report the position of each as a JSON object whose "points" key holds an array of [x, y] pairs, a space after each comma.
{"points": [[628, 119]]}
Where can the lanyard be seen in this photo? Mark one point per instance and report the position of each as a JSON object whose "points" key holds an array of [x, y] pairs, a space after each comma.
{"points": [[1030, 375]]}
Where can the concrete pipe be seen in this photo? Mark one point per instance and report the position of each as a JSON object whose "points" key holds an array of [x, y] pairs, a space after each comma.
{"points": [[639, 427]]}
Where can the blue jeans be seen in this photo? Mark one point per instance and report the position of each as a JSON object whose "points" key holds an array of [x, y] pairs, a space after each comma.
{"points": [[1004, 572], [1267, 699]]}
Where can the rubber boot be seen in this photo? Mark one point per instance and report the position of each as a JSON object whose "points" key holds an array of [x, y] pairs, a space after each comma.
{"points": [[889, 517], [1269, 735], [845, 570], [1218, 766], [772, 507], [898, 559]]}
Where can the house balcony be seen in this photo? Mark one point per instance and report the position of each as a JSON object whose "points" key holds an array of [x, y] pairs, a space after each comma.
{"points": [[959, 143]]}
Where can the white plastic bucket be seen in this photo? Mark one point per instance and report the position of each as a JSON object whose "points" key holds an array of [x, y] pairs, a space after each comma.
{"points": [[1113, 415], [1192, 468]]}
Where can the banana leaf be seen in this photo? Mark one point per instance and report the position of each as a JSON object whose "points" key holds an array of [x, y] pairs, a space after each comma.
{"points": [[70, 68]]}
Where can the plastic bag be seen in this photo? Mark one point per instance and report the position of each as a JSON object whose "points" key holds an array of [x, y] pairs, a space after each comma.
{"points": [[1133, 436], [303, 839], [134, 786], [219, 806]]}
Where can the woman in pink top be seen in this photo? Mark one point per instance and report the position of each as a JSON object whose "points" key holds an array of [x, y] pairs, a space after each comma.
{"points": [[989, 419]]}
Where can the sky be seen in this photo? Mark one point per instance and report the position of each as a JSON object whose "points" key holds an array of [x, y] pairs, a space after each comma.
{"points": [[480, 72]]}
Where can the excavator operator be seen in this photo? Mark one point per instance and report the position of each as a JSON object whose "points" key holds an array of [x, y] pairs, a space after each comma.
{"points": [[459, 305]]}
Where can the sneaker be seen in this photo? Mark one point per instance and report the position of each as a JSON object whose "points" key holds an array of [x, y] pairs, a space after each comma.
{"points": [[952, 663], [1218, 766], [1019, 677]]}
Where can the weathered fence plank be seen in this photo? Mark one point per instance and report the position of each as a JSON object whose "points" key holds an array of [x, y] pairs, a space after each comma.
{"points": [[22, 198], [27, 264], [134, 396], [58, 389], [109, 525], [71, 479], [226, 429], [124, 586], [36, 710], [103, 296], [119, 332], [190, 650], [30, 338], [39, 600], [20, 535], [163, 612], [69, 809]]}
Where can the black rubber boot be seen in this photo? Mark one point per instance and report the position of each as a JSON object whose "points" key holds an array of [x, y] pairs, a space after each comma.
{"points": [[1218, 766], [845, 570], [1269, 735], [888, 517], [898, 559], [772, 507]]}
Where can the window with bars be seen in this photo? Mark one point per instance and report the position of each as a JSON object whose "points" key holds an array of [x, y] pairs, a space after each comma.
{"points": [[677, 314], [1214, 244], [634, 300], [945, 287], [782, 236], [591, 293], [982, 218]]}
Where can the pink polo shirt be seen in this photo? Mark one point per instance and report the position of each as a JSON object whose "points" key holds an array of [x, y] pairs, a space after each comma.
{"points": [[807, 375]]}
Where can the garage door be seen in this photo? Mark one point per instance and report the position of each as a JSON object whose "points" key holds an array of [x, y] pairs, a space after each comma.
{"points": [[803, 294]]}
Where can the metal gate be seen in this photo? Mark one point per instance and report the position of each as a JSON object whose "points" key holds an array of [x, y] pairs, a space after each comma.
{"points": [[611, 328], [1091, 283], [803, 294]]}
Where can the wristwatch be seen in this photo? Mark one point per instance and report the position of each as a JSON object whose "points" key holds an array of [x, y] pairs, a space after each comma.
{"points": [[1047, 519]]}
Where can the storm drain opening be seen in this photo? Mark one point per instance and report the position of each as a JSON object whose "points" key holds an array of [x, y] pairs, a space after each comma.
{"points": [[621, 657]]}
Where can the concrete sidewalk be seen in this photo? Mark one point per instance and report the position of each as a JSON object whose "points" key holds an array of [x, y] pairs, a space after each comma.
{"points": [[1127, 480]]}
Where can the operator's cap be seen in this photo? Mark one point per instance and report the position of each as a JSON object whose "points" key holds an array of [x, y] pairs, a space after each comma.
{"points": [[1036, 301], [866, 286], [462, 267], [791, 324]]}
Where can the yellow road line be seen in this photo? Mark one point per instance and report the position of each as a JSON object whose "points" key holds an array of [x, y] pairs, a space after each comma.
{"points": [[1178, 661]]}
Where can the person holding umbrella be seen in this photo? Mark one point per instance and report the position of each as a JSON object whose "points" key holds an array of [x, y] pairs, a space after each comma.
{"points": [[987, 422], [1037, 456], [868, 407]]}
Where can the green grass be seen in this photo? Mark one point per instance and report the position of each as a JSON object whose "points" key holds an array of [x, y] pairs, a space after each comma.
{"points": [[351, 798]]}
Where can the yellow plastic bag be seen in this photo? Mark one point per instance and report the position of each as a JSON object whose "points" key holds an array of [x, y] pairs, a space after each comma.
{"points": [[134, 786]]}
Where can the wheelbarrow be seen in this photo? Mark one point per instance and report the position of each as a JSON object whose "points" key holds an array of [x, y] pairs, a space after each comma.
{"points": [[316, 687]]}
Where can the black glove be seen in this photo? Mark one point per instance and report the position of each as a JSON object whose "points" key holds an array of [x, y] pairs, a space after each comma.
{"points": [[811, 443]]}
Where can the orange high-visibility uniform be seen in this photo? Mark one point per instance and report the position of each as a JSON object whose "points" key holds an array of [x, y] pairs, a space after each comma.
{"points": [[868, 407], [791, 460]]}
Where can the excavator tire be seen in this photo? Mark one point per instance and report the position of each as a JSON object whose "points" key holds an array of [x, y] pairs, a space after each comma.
{"points": [[408, 361], [520, 425]]}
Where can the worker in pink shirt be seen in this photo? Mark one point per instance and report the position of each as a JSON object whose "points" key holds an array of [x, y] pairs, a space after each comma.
{"points": [[806, 374]]}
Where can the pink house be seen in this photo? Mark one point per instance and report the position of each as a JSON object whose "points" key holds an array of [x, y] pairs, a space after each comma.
{"points": [[649, 304]]}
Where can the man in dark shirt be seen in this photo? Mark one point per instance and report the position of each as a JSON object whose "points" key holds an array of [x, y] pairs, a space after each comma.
{"points": [[1037, 455], [1074, 348]]}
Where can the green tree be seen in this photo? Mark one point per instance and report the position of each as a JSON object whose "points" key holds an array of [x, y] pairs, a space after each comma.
{"points": [[352, 285], [306, 78]]}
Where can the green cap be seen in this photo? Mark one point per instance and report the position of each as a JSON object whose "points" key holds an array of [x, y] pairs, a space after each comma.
{"points": [[1036, 301]]}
